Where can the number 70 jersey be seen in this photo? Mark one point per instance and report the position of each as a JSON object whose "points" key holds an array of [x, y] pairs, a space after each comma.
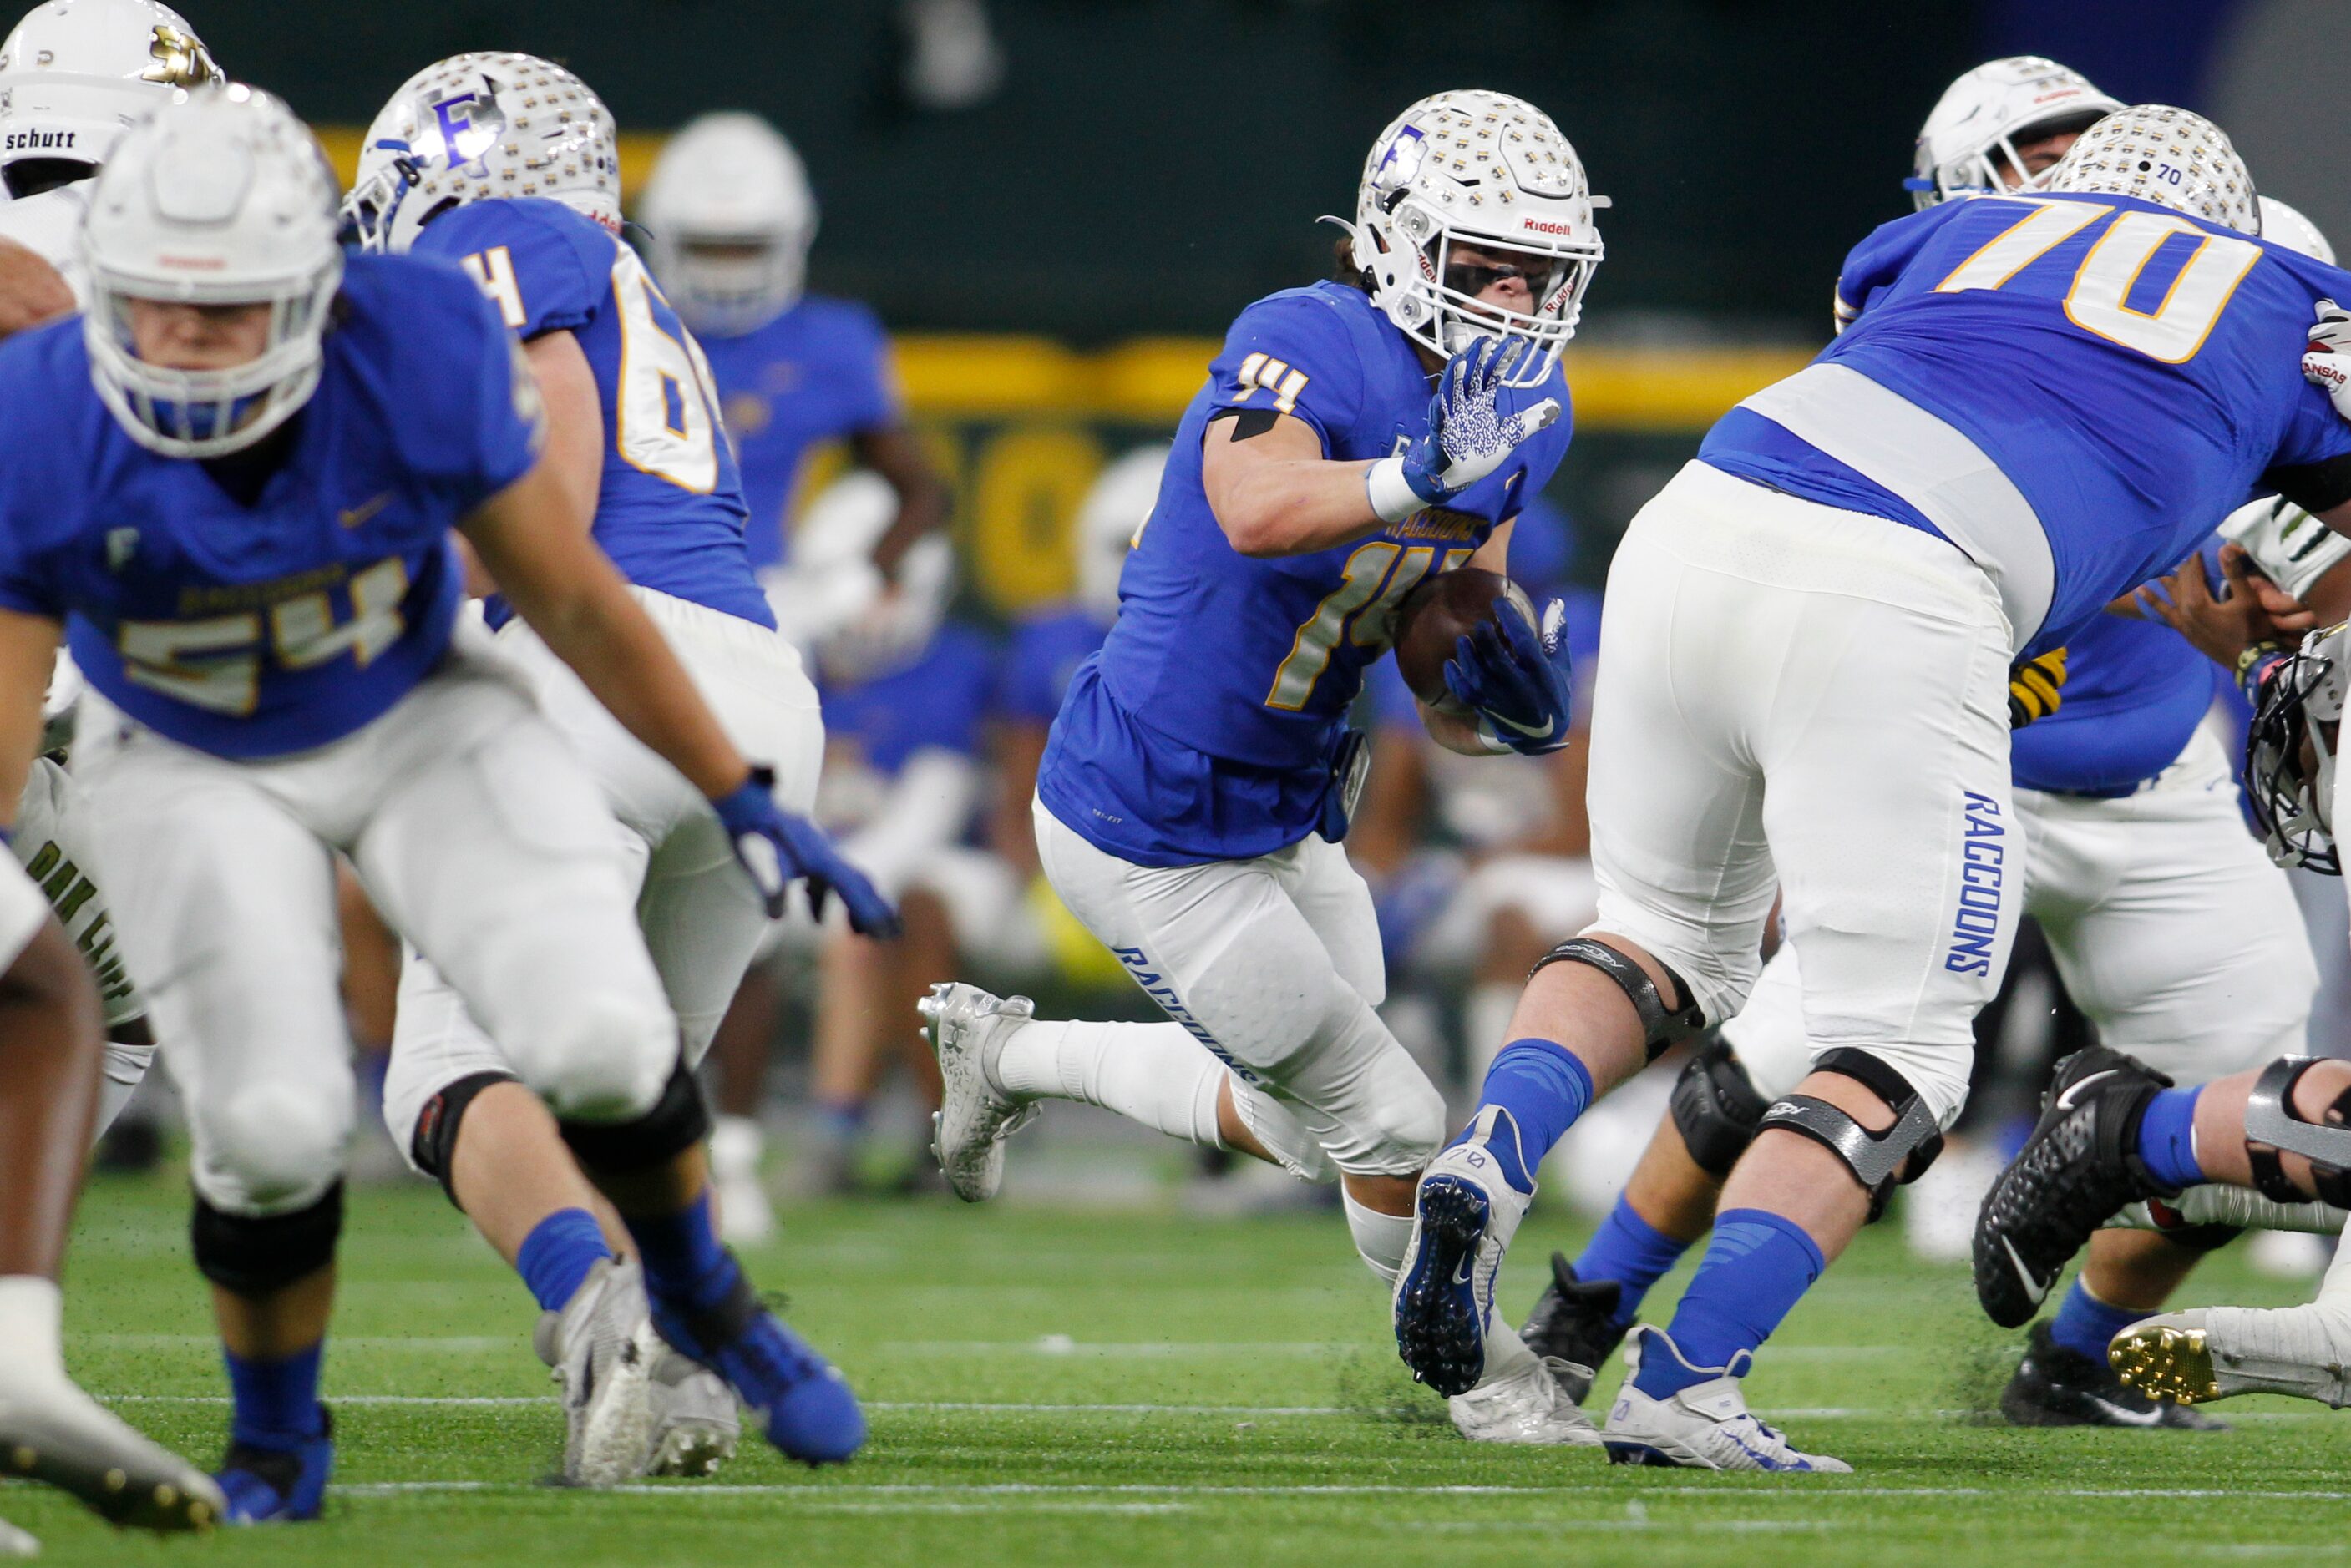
{"points": [[670, 510]]}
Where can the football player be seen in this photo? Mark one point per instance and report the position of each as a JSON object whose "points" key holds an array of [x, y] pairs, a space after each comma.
{"points": [[2170, 927], [236, 474], [505, 165], [1193, 793], [2145, 347]]}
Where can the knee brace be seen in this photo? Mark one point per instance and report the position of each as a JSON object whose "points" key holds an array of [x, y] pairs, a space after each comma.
{"points": [[253, 1257], [1875, 1158], [1660, 1026], [2272, 1130], [433, 1141], [677, 1122], [2199, 1239], [1716, 1107]]}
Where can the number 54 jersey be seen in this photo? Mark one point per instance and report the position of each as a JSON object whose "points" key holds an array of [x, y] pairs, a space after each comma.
{"points": [[277, 599], [670, 512], [1205, 728]]}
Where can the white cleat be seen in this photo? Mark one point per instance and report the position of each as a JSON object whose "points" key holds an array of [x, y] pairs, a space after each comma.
{"points": [[968, 1026], [52, 1432], [1526, 1405], [601, 1347], [2217, 1353], [746, 1216], [1466, 1212], [1705, 1426], [16, 1542], [696, 1419]]}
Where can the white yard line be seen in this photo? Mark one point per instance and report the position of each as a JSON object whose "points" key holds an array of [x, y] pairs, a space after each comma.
{"points": [[819, 1494]]}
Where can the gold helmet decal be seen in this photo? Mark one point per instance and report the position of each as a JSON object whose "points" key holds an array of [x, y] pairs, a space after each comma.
{"points": [[181, 60]]}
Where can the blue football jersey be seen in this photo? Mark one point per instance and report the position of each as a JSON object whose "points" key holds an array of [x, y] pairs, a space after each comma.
{"points": [[1040, 657], [819, 372], [2134, 692], [1205, 727], [252, 612], [670, 509], [2133, 374], [937, 700]]}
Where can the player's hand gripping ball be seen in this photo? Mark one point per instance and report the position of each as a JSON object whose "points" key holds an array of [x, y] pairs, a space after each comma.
{"points": [[1471, 643], [2326, 362]]}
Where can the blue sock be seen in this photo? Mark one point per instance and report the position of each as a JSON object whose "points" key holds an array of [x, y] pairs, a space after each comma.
{"points": [[2085, 1323], [684, 1264], [2166, 1139], [557, 1254], [1543, 1088], [1630, 1250], [275, 1400], [1757, 1267], [842, 1119]]}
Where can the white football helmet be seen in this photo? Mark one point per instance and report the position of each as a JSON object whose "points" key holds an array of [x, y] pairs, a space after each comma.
{"points": [[1483, 169], [833, 598], [2290, 751], [2165, 155], [2290, 227], [219, 198], [1109, 521], [76, 73], [479, 126], [1972, 132], [730, 218]]}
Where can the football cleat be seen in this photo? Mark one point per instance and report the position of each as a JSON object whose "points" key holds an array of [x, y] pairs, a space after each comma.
{"points": [[15, 1541], [2080, 1167], [802, 1402], [1468, 1208], [600, 1347], [697, 1422], [968, 1026], [278, 1486], [1527, 1405], [1705, 1426], [2056, 1387], [52, 1432], [1574, 1326], [2217, 1352]]}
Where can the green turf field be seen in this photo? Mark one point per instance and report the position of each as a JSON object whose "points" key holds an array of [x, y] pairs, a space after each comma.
{"points": [[1134, 1390]]}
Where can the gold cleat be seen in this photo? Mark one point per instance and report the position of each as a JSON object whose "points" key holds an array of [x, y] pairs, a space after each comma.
{"points": [[2160, 1360]]}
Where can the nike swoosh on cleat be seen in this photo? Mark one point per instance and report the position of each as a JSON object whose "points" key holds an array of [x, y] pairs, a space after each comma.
{"points": [[2125, 1417], [2033, 1292], [1542, 734], [1469, 1267], [2065, 1100]]}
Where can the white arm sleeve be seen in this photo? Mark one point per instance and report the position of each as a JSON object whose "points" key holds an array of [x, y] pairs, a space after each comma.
{"points": [[2291, 548], [929, 805]]}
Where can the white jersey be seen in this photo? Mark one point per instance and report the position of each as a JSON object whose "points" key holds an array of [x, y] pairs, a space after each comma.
{"points": [[49, 226], [52, 845]]}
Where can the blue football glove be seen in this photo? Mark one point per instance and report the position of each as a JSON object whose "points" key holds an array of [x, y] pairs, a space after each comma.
{"points": [[779, 847], [1514, 679], [1468, 437]]}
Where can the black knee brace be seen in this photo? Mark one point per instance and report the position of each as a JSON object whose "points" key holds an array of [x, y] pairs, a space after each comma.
{"points": [[253, 1257], [1875, 1158], [1660, 1026], [677, 1123], [1716, 1107], [2273, 1128], [432, 1142]]}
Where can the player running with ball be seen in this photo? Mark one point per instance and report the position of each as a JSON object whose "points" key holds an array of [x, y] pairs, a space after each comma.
{"points": [[2042, 401], [1193, 789]]}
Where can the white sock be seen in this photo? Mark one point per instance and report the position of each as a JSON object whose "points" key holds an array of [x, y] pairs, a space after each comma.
{"points": [[1156, 1073], [1486, 1020], [30, 1310], [1380, 1238], [737, 1144]]}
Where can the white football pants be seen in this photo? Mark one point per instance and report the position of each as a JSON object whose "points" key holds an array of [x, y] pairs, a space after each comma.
{"points": [[473, 830], [701, 917], [2172, 930], [1799, 698], [1274, 966]]}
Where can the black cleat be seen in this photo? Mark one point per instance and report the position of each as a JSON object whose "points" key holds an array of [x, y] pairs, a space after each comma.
{"points": [[2080, 1167], [2054, 1386], [1574, 1326]]}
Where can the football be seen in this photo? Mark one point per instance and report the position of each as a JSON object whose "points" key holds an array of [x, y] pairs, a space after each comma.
{"points": [[1438, 613]]}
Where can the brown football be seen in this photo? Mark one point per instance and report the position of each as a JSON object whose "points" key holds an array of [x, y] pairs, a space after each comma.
{"points": [[1436, 613]]}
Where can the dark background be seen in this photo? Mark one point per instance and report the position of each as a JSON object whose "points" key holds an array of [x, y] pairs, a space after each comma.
{"points": [[1149, 165]]}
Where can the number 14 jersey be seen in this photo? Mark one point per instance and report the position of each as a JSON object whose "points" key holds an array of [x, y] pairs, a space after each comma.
{"points": [[669, 512]]}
